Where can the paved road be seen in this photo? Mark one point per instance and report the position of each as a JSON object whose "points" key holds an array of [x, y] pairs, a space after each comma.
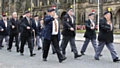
{"points": [[79, 36], [14, 60]]}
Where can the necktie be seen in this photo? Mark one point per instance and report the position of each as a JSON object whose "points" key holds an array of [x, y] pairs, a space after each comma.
{"points": [[55, 23], [72, 19], [28, 20], [36, 23], [92, 24]]}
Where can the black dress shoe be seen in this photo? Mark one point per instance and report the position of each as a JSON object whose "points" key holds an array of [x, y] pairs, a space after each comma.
{"points": [[39, 48], [96, 58], [101, 55], [32, 54], [53, 52], [17, 50], [116, 60], [21, 54], [61, 60], [44, 59], [82, 53], [72, 50], [9, 49], [76, 56], [2, 46]]}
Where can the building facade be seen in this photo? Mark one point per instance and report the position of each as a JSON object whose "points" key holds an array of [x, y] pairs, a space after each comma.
{"points": [[82, 8]]}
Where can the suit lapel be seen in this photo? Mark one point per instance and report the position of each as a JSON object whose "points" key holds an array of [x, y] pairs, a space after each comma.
{"points": [[3, 23]]}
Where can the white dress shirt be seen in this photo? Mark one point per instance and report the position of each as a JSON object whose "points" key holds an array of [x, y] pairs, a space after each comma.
{"points": [[5, 22], [53, 27], [92, 22], [36, 23]]}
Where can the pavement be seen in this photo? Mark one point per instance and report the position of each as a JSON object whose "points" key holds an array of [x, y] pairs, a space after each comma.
{"points": [[79, 37], [15, 60]]}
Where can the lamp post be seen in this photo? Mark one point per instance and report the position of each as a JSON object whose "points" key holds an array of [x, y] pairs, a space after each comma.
{"points": [[98, 14], [15, 1], [31, 5], [3, 7], [100, 11]]}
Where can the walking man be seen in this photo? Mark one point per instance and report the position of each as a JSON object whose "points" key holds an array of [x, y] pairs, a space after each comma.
{"points": [[90, 34], [27, 33], [52, 34], [105, 37], [4, 30], [37, 28], [69, 32], [14, 32]]}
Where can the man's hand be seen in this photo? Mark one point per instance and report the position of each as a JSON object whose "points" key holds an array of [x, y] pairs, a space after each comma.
{"points": [[33, 30], [72, 29], [2, 30], [92, 28], [13, 26], [55, 17], [28, 27]]}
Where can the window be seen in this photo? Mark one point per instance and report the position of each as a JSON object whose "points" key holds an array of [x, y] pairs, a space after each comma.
{"points": [[105, 1], [90, 1], [82, 1]]}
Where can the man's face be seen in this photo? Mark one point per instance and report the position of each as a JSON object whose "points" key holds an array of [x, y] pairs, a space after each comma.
{"points": [[36, 18], [92, 17], [27, 15], [14, 15], [71, 12], [108, 15], [4, 18], [52, 13]]}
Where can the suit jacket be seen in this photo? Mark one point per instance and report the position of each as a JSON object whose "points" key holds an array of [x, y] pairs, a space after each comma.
{"points": [[16, 23], [48, 20], [67, 24], [105, 34], [91, 34], [6, 29], [24, 31], [37, 28]]}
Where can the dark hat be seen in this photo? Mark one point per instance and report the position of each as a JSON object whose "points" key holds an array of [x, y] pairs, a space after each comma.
{"points": [[50, 10], [91, 14], [35, 15], [27, 12], [69, 9], [106, 12]]}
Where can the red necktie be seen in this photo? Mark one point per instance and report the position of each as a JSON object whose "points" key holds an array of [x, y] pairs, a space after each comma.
{"points": [[55, 25]]}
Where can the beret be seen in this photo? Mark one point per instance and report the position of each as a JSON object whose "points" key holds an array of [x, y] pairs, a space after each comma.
{"points": [[27, 12], [106, 12], [50, 10], [91, 14], [69, 9]]}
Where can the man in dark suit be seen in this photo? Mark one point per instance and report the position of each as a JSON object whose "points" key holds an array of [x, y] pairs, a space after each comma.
{"points": [[27, 33], [90, 34], [4, 29], [14, 31], [52, 34], [37, 28], [69, 32], [42, 32], [105, 37]]}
